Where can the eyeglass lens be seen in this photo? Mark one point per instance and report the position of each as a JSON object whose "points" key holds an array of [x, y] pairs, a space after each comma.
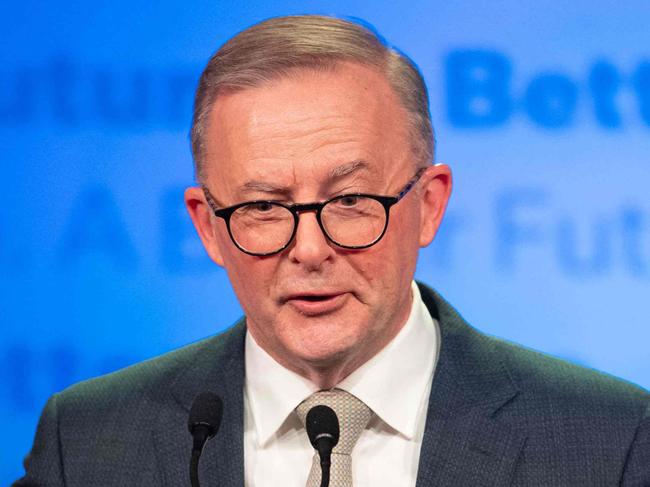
{"points": [[350, 221]]}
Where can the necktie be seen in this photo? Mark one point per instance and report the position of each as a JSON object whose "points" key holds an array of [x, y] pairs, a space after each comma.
{"points": [[353, 418]]}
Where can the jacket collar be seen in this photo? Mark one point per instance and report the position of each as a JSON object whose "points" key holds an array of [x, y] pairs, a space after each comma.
{"points": [[215, 365], [465, 442]]}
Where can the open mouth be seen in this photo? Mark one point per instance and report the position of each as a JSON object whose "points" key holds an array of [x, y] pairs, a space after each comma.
{"points": [[316, 304], [318, 298]]}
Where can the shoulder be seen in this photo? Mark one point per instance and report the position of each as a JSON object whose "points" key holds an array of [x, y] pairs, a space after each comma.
{"points": [[542, 382], [549, 380], [151, 381], [579, 420], [98, 428], [579, 426]]}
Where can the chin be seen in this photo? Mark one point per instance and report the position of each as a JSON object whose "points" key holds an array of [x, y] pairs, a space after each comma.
{"points": [[326, 361], [321, 351]]}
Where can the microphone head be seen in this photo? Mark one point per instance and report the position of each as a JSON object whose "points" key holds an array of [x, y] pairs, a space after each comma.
{"points": [[322, 423], [206, 411]]}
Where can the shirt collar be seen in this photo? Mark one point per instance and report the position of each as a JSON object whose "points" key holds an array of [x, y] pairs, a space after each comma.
{"points": [[273, 391], [394, 381]]}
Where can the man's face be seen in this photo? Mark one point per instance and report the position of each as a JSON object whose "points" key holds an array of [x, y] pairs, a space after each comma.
{"points": [[306, 138]]}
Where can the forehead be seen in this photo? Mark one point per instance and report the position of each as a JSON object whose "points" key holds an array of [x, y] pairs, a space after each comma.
{"points": [[305, 125]]}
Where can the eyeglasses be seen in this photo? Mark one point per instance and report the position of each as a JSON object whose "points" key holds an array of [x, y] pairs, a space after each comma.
{"points": [[351, 221]]}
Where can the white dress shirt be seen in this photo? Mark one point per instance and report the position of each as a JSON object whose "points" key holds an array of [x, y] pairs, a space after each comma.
{"points": [[395, 384]]}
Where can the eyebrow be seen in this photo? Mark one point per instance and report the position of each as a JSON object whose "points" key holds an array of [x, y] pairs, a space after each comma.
{"points": [[347, 169], [263, 187], [338, 172]]}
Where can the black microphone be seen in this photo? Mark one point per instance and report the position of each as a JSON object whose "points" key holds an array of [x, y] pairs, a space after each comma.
{"points": [[204, 422], [323, 431]]}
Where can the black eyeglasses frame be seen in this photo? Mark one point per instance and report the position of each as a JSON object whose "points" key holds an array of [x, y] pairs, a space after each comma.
{"points": [[296, 208]]}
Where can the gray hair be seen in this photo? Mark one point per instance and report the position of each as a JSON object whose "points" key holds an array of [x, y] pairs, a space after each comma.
{"points": [[272, 48]]}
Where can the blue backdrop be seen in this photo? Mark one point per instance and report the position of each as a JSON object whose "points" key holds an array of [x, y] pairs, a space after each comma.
{"points": [[542, 108]]}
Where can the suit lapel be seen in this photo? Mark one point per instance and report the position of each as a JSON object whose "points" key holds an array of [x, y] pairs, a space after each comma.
{"points": [[465, 442], [216, 366]]}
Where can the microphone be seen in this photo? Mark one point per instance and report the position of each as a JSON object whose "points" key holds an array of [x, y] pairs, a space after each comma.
{"points": [[323, 431], [203, 423]]}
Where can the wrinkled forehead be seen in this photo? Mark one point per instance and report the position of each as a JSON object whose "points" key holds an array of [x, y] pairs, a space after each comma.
{"points": [[307, 125]]}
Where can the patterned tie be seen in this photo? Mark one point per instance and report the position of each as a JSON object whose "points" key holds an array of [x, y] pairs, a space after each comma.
{"points": [[353, 418]]}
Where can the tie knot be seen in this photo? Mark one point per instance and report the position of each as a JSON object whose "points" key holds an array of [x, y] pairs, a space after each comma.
{"points": [[353, 415]]}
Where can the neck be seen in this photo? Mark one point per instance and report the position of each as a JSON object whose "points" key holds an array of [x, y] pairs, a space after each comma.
{"points": [[327, 375]]}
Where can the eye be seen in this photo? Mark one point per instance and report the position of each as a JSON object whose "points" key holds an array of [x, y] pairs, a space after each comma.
{"points": [[262, 207], [349, 201]]}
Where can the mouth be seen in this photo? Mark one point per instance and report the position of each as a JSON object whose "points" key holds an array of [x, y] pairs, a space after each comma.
{"points": [[314, 298], [312, 304]]}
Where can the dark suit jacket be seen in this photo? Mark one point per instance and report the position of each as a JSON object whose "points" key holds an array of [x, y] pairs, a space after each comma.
{"points": [[498, 415]]}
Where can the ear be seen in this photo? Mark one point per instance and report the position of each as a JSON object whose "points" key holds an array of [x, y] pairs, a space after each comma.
{"points": [[434, 195], [203, 220]]}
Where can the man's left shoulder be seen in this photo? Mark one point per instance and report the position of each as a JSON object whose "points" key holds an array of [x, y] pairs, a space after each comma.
{"points": [[536, 376], [579, 389], [590, 426], [541, 384]]}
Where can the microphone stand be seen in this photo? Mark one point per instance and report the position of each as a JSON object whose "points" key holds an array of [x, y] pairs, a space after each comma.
{"points": [[194, 468], [325, 464], [203, 424]]}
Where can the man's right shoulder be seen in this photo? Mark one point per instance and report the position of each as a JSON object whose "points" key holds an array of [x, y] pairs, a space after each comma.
{"points": [[109, 430], [152, 379]]}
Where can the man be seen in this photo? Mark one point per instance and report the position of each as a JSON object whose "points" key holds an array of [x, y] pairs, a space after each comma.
{"points": [[313, 147]]}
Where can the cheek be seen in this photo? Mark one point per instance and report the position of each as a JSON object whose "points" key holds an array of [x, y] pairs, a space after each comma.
{"points": [[250, 278], [384, 269], [402, 238], [396, 254]]}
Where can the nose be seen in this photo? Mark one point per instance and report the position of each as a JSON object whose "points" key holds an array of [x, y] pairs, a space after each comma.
{"points": [[310, 247]]}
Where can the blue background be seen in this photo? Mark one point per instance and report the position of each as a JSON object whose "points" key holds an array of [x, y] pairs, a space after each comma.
{"points": [[542, 108]]}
